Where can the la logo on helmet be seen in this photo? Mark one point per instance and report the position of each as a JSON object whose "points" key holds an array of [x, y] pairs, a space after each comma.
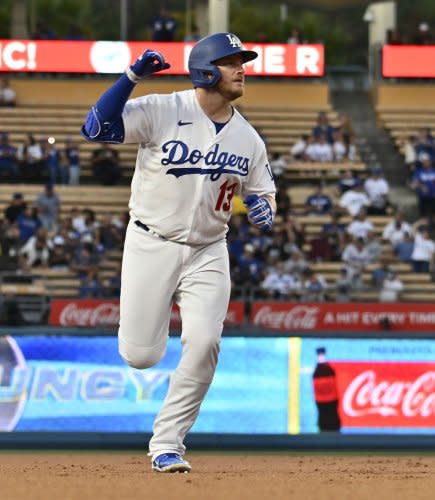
{"points": [[234, 41]]}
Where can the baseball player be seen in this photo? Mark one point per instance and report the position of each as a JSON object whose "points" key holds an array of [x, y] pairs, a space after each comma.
{"points": [[195, 153]]}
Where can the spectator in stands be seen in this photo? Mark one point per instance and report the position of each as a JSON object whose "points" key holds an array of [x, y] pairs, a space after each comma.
{"points": [[278, 165], [278, 284], [374, 248], [91, 286], [394, 232], [323, 127], [297, 151], [8, 157], [59, 258], [321, 248], [360, 227], [164, 26], [84, 260], [343, 286], [339, 148], [423, 183], [423, 35], [8, 95], [48, 204], [424, 144], [356, 257], [105, 163], [391, 288], [314, 286], [345, 128], [31, 158], [71, 155], [250, 267], [354, 199], [37, 249], [336, 232], [381, 272], [318, 203], [296, 263], [320, 150], [294, 230], [15, 208], [405, 248], [10, 245], [347, 181], [53, 162], [410, 154], [283, 201], [110, 234], [237, 235], [377, 189], [423, 253], [113, 284], [28, 223]]}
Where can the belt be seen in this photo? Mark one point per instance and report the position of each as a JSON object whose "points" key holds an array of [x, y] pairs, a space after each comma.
{"points": [[148, 230]]}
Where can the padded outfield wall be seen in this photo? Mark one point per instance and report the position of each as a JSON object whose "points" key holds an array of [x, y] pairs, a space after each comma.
{"points": [[70, 387]]}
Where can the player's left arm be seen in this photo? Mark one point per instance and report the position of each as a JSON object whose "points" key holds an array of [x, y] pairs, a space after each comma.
{"points": [[259, 193]]}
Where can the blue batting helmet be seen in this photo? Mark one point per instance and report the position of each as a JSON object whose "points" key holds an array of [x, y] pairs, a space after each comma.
{"points": [[207, 51]]}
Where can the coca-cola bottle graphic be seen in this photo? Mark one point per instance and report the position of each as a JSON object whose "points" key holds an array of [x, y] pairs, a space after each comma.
{"points": [[325, 393]]}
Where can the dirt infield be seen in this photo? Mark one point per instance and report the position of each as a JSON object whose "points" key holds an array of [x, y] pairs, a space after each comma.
{"points": [[127, 475]]}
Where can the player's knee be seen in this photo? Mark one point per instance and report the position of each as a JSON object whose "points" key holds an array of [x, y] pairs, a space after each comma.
{"points": [[140, 357]]}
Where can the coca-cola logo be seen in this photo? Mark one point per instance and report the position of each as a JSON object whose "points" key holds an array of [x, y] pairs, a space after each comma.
{"points": [[367, 395], [103, 314], [296, 318]]}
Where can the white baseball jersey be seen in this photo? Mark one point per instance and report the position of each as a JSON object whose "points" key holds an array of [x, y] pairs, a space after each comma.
{"points": [[186, 175]]}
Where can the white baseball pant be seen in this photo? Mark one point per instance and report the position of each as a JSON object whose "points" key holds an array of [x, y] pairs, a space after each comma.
{"points": [[156, 272]]}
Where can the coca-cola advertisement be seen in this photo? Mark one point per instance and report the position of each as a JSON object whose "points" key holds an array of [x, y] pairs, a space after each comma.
{"points": [[359, 385], [296, 317], [105, 313]]}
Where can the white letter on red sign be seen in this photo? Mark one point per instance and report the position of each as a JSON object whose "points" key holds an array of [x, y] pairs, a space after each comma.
{"points": [[8, 59], [274, 59], [307, 59]]}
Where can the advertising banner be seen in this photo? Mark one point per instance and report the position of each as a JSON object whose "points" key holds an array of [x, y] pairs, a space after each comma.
{"points": [[71, 384], [367, 386], [105, 313], [114, 57], [408, 61], [275, 386], [291, 316]]}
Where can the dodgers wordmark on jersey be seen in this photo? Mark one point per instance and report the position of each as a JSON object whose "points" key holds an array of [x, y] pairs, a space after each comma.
{"points": [[186, 174]]}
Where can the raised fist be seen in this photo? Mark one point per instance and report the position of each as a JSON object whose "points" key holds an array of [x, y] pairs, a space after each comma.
{"points": [[148, 63]]}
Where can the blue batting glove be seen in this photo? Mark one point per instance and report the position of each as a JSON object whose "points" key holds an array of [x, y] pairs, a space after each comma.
{"points": [[259, 211], [148, 63]]}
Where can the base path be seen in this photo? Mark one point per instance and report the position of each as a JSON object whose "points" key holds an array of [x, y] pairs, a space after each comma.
{"points": [[221, 476]]}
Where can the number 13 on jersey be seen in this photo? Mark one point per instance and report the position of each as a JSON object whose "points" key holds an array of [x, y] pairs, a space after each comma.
{"points": [[226, 193]]}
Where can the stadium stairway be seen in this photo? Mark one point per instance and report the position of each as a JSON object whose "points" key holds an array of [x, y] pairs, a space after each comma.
{"points": [[375, 144]]}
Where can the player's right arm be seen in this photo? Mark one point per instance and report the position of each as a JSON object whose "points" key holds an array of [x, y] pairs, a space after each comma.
{"points": [[104, 122]]}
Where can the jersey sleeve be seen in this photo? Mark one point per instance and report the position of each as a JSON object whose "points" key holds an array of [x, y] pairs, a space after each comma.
{"points": [[260, 178], [142, 118]]}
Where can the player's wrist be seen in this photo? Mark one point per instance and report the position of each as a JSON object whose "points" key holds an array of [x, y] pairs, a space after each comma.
{"points": [[132, 76]]}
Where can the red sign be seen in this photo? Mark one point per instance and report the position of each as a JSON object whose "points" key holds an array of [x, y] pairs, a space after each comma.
{"points": [[105, 313], [114, 57], [382, 394], [290, 316], [408, 61]]}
